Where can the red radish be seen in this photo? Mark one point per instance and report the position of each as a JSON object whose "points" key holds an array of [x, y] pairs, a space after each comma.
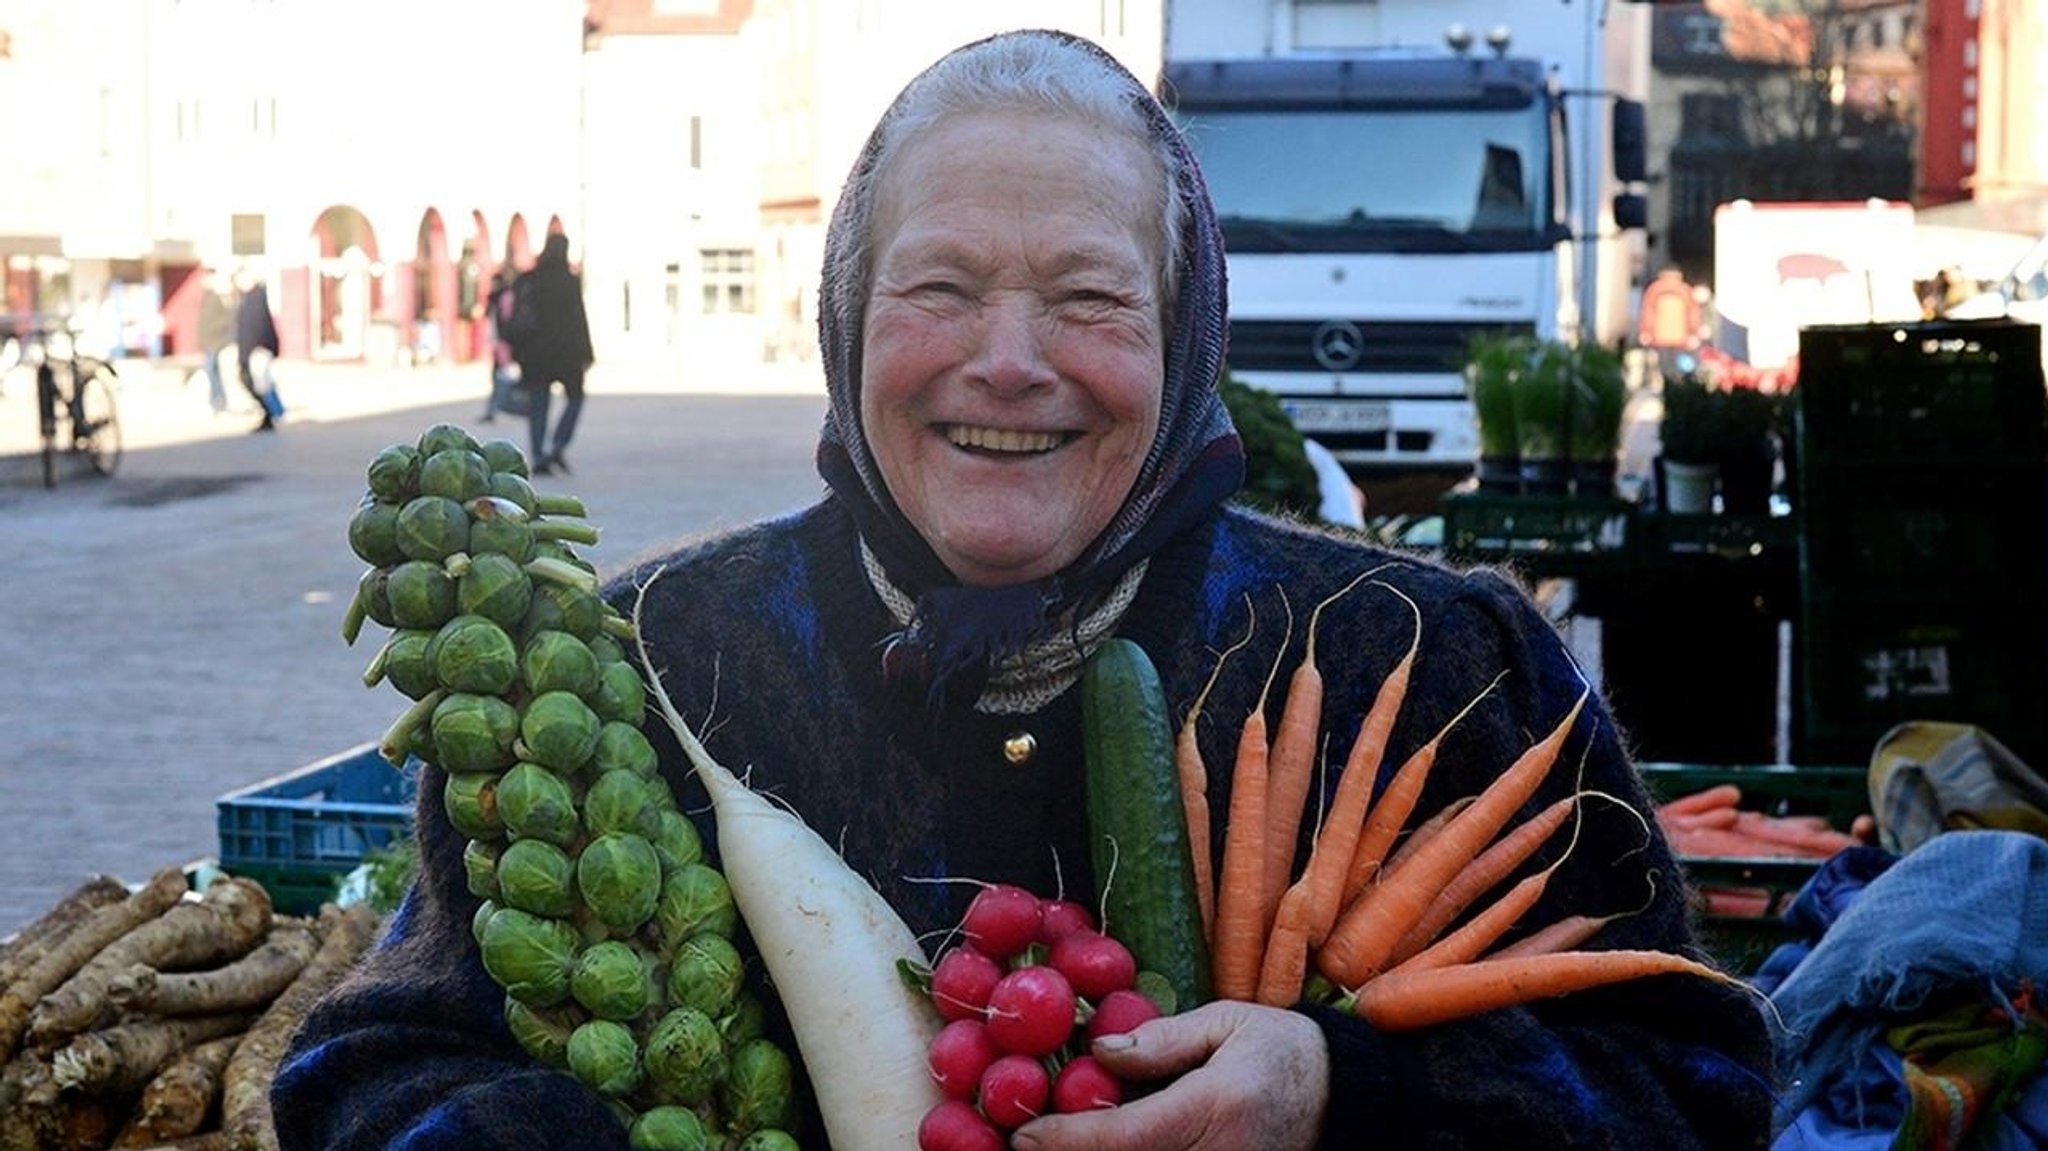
{"points": [[1094, 963], [1120, 1011], [957, 1126], [1014, 1090], [960, 1052], [1002, 920], [1031, 1011], [1085, 1085], [961, 983], [1057, 917]]}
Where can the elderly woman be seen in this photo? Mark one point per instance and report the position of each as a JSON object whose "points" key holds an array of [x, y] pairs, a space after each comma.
{"points": [[1023, 332]]}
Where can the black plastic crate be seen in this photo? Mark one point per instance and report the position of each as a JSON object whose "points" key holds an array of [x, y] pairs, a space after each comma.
{"points": [[1965, 391], [299, 833], [1550, 535], [1918, 534]]}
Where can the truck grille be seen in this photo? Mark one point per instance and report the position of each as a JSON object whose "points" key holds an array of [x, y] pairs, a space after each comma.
{"points": [[1383, 346]]}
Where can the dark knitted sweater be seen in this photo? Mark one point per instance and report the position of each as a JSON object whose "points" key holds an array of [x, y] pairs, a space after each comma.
{"points": [[770, 639]]}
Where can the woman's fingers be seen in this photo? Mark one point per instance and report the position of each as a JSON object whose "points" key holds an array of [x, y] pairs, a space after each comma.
{"points": [[1240, 1076]]}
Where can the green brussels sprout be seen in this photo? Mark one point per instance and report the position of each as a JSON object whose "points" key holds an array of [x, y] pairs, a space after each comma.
{"points": [[471, 800], [480, 867], [442, 437], [747, 1020], [668, 1128], [531, 957], [514, 488], [619, 877], [543, 1033], [605, 1057], [706, 974], [504, 457], [422, 595], [558, 661], [454, 474], [419, 744], [769, 1139], [432, 528], [606, 649], [537, 877], [395, 473], [535, 803], [405, 663], [373, 533], [496, 588], [611, 981], [759, 1093], [621, 801], [477, 922], [677, 844], [557, 607], [621, 694], [475, 732], [685, 1057], [493, 532], [473, 654], [694, 899], [623, 747], [374, 590], [560, 731]]}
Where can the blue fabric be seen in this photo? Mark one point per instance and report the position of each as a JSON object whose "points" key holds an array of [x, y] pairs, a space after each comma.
{"points": [[1833, 887], [1967, 910]]}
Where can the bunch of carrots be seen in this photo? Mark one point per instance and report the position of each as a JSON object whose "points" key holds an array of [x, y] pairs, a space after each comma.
{"points": [[1368, 917]]}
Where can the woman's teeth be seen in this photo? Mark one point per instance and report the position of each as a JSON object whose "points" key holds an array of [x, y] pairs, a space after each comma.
{"points": [[1002, 439]]}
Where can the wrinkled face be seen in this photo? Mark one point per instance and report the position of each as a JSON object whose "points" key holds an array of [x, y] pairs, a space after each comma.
{"points": [[1013, 354]]}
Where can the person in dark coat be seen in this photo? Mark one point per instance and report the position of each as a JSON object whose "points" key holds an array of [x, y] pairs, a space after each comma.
{"points": [[256, 328], [1022, 327], [552, 345]]}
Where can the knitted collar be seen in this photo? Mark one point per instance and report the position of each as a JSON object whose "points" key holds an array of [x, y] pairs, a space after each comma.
{"points": [[956, 635]]}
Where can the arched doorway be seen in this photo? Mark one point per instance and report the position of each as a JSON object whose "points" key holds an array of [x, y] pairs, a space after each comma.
{"points": [[433, 291], [346, 289], [473, 274], [518, 244]]}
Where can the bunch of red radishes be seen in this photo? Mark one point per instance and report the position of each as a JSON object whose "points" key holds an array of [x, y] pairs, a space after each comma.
{"points": [[1032, 985]]}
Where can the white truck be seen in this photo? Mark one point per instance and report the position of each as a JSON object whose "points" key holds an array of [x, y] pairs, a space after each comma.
{"points": [[1395, 176]]}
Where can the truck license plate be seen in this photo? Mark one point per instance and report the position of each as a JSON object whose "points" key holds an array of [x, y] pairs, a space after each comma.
{"points": [[1313, 416]]}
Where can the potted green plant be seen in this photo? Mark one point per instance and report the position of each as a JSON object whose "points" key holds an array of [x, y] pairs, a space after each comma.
{"points": [[1689, 437], [1599, 393], [1494, 362], [1542, 399], [1748, 449]]}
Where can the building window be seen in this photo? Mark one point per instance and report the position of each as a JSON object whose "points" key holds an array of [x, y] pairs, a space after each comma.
{"points": [[727, 276]]}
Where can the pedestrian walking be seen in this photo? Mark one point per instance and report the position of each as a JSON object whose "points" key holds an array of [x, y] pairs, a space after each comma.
{"points": [[216, 332], [504, 395], [551, 342], [255, 328]]}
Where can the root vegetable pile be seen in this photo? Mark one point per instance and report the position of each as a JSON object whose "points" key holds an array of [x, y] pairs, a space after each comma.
{"points": [[600, 918], [89, 1061]]}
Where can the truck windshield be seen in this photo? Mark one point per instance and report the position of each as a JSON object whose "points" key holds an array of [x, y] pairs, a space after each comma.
{"points": [[1379, 180]]}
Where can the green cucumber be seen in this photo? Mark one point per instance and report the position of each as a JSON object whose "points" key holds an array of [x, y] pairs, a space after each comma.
{"points": [[1137, 828]]}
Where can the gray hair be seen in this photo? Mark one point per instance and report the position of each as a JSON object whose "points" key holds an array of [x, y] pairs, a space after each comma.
{"points": [[1030, 71]]}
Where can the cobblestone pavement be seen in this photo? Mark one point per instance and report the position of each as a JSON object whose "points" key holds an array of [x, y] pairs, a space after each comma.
{"points": [[173, 633]]}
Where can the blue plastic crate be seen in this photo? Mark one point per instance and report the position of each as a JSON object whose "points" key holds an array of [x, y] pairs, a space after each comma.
{"points": [[323, 818]]}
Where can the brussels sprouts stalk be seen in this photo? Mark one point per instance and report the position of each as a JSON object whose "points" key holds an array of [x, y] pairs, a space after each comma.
{"points": [[559, 505], [562, 572], [568, 532], [392, 746], [352, 622], [374, 674]]}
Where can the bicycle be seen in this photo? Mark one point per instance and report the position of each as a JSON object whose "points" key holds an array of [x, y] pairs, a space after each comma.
{"points": [[74, 402]]}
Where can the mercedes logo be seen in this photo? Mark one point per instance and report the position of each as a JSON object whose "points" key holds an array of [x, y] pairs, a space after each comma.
{"points": [[1337, 345]]}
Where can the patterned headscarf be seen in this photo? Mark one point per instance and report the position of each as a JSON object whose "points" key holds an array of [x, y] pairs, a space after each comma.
{"points": [[1195, 461]]}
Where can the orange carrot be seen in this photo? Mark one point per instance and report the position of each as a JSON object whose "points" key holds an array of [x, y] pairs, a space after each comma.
{"points": [[1391, 810], [1793, 832], [1425, 831], [1471, 940], [1716, 817], [1294, 759], [1720, 795], [1285, 967], [1368, 931], [1485, 872], [1242, 919], [1193, 776], [1563, 935], [1330, 859], [1425, 998]]}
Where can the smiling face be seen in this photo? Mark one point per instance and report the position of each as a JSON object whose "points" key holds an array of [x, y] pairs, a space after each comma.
{"points": [[1013, 351]]}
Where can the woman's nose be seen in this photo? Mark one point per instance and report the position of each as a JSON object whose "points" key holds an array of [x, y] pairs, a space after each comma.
{"points": [[1013, 357]]}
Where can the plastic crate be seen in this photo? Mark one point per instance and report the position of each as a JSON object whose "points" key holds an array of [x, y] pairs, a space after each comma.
{"points": [[299, 833], [1960, 391], [1549, 535], [1741, 942], [1913, 534]]}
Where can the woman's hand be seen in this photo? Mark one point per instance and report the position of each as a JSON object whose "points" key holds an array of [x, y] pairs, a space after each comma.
{"points": [[1250, 1076]]}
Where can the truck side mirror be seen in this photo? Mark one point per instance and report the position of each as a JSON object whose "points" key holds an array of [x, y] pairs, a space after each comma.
{"points": [[1630, 140], [1631, 210]]}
